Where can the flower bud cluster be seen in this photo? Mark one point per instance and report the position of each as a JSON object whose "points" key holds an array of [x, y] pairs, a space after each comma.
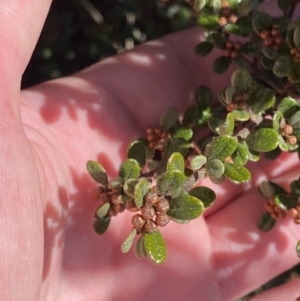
{"points": [[238, 101], [156, 137], [295, 53], [295, 212], [287, 132], [152, 214], [226, 14], [231, 49], [272, 38], [112, 196], [274, 210]]}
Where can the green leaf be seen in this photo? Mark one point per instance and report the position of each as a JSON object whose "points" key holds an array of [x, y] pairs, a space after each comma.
{"points": [[198, 5], [101, 224], [115, 183], [185, 207], [294, 121], [240, 156], [169, 118], [205, 194], [126, 245], [197, 162], [244, 7], [203, 97], [97, 172], [284, 5], [262, 140], [240, 115], [221, 64], [228, 128], [215, 124], [129, 186], [267, 63], [261, 21], [221, 147], [155, 246], [190, 117], [277, 120], [186, 134], [241, 80], [261, 99], [237, 173], [287, 106], [294, 75], [179, 221], [139, 249], [266, 222], [129, 169], [204, 48], [252, 48], [140, 190], [137, 151], [253, 155], [229, 93], [176, 162], [170, 183], [298, 248], [214, 168], [208, 21], [297, 36], [283, 66], [241, 62], [269, 53], [102, 210], [283, 201], [218, 39]]}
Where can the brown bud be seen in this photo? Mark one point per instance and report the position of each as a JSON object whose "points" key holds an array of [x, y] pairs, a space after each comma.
{"points": [[234, 54], [226, 52], [293, 51], [149, 131], [268, 207], [275, 31], [98, 192], [232, 18], [292, 140], [268, 41], [295, 59], [150, 227], [265, 34], [104, 197], [131, 206], [148, 212], [157, 130], [162, 220], [294, 212], [297, 220], [162, 206], [151, 198], [237, 45], [222, 21], [229, 45], [274, 215], [119, 208], [137, 221], [225, 4], [116, 199], [225, 12], [279, 40], [287, 130]]}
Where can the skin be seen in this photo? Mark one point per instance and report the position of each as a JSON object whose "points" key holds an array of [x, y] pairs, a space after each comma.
{"points": [[49, 250]]}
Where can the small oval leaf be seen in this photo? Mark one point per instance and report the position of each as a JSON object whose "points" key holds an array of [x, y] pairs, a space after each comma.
{"points": [[205, 194], [101, 224], [155, 246], [140, 190], [176, 162], [102, 210], [298, 248], [137, 151], [283, 66], [221, 64], [237, 173], [126, 245], [214, 168], [221, 147], [241, 80], [169, 118], [139, 249], [266, 222], [262, 140], [129, 169], [197, 162], [97, 172], [185, 207], [170, 183], [204, 48]]}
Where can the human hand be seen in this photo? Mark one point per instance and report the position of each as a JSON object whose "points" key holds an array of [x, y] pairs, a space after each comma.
{"points": [[49, 250]]}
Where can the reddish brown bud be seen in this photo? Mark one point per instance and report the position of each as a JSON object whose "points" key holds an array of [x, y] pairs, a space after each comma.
{"points": [[162, 220], [131, 206], [287, 130], [237, 45], [150, 227], [232, 18], [222, 21], [293, 51], [225, 12], [234, 54], [292, 140], [162, 206], [265, 34], [268, 41], [137, 221], [226, 52], [148, 212], [116, 199]]}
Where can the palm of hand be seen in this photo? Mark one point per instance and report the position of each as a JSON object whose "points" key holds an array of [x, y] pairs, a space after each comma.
{"points": [[94, 115]]}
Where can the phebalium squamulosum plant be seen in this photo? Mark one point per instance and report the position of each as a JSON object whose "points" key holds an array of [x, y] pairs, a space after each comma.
{"points": [[258, 117]]}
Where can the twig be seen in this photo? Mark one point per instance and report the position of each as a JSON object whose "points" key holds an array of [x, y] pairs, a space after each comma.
{"points": [[92, 10]]}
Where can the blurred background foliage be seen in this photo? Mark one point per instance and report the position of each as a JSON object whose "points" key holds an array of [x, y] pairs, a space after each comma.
{"points": [[79, 33]]}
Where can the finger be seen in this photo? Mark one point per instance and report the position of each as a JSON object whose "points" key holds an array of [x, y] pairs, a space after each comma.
{"points": [[244, 256], [289, 291], [20, 26]]}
